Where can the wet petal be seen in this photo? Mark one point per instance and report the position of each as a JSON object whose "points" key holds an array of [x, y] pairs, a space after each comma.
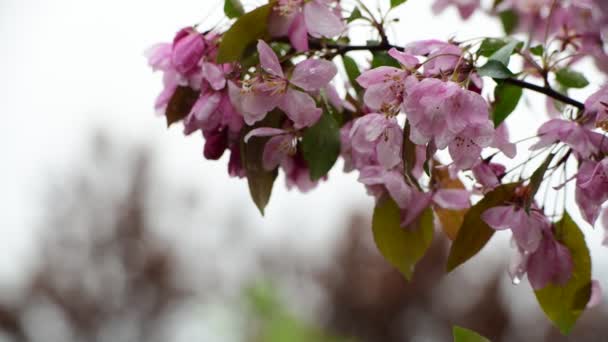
{"points": [[313, 74], [300, 108], [321, 21], [269, 60]]}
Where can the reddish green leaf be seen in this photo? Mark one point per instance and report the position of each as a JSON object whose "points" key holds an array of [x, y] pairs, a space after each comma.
{"points": [[401, 247], [244, 32], [180, 104]]}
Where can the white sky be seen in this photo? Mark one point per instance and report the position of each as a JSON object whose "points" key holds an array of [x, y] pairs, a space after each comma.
{"points": [[69, 66]]}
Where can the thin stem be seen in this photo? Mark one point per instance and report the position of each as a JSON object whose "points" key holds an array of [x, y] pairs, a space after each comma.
{"points": [[547, 91]]}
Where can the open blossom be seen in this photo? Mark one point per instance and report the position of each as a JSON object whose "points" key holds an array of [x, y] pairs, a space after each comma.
{"points": [[378, 135], [442, 57], [550, 263], [592, 188], [540, 255], [465, 7], [384, 86], [582, 140], [298, 18], [488, 175], [273, 89]]}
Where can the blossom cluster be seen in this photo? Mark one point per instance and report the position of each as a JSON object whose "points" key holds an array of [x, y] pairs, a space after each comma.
{"points": [[397, 122]]}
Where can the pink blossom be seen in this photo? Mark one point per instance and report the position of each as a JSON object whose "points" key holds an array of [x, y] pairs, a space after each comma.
{"points": [[580, 139], [385, 85], [465, 7], [442, 57], [488, 174], [187, 51], [591, 188], [378, 135], [527, 228], [466, 147], [439, 111], [297, 18], [550, 263], [273, 89]]}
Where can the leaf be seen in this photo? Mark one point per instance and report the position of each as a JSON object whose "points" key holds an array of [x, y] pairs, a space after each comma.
{"points": [[382, 58], [537, 50], [354, 15], [490, 45], [571, 79], [180, 104], [244, 32], [260, 180], [401, 247], [408, 153], [564, 304], [474, 232], [321, 145], [506, 98], [233, 8], [395, 3], [466, 335], [509, 20], [537, 179], [503, 55], [495, 69], [451, 220], [352, 71]]}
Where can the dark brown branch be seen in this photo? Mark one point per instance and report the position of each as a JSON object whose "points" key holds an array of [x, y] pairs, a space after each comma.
{"points": [[547, 91]]}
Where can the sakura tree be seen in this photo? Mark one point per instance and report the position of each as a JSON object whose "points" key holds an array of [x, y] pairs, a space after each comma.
{"points": [[422, 124]]}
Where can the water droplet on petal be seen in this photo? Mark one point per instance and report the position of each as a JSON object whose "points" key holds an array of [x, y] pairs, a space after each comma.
{"points": [[516, 280]]}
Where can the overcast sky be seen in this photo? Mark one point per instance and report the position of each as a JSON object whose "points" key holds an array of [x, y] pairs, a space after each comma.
{"points": [[69, 66]]}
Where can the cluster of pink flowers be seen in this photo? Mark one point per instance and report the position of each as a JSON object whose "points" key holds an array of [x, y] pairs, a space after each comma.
{"points": [[190, 62], [395, 118]]}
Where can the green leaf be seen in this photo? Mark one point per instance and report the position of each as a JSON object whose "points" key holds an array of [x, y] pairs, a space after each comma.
{"points": [[495, 69], [503, 55], [244, 32], [260, 180], [537, 179], [490, 45], [563, 304], [571, 79], [180, 104], [395, 3], [466, 335], [506, 98], [401, 247], [233, 8], [352, 71], [509, 20], [321, 145], [382, 58], [474, 232], [537, 50], [354, 15]]}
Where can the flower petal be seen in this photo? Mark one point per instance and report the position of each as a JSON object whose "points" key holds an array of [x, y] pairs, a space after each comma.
{"points": [[275, 150], [300, 108], [269, 60], [313, 74], [263, 132], [321, 21], [298, 36]]}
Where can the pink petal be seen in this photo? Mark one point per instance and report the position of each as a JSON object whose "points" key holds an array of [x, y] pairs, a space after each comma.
{"points": [[407, 60], [201, 114], [313, 74], [377, 75], [551, 263], [389, 147], [275, 150], [417, 203], [269, 60], [298, 36], [278, 25], [321, 21], [499, 217], [300, 108], [596, 297], [264, 132], [453, 199], [214, 75]]}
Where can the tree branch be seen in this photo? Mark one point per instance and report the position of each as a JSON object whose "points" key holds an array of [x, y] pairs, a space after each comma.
{"points": [[546, 90]]}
